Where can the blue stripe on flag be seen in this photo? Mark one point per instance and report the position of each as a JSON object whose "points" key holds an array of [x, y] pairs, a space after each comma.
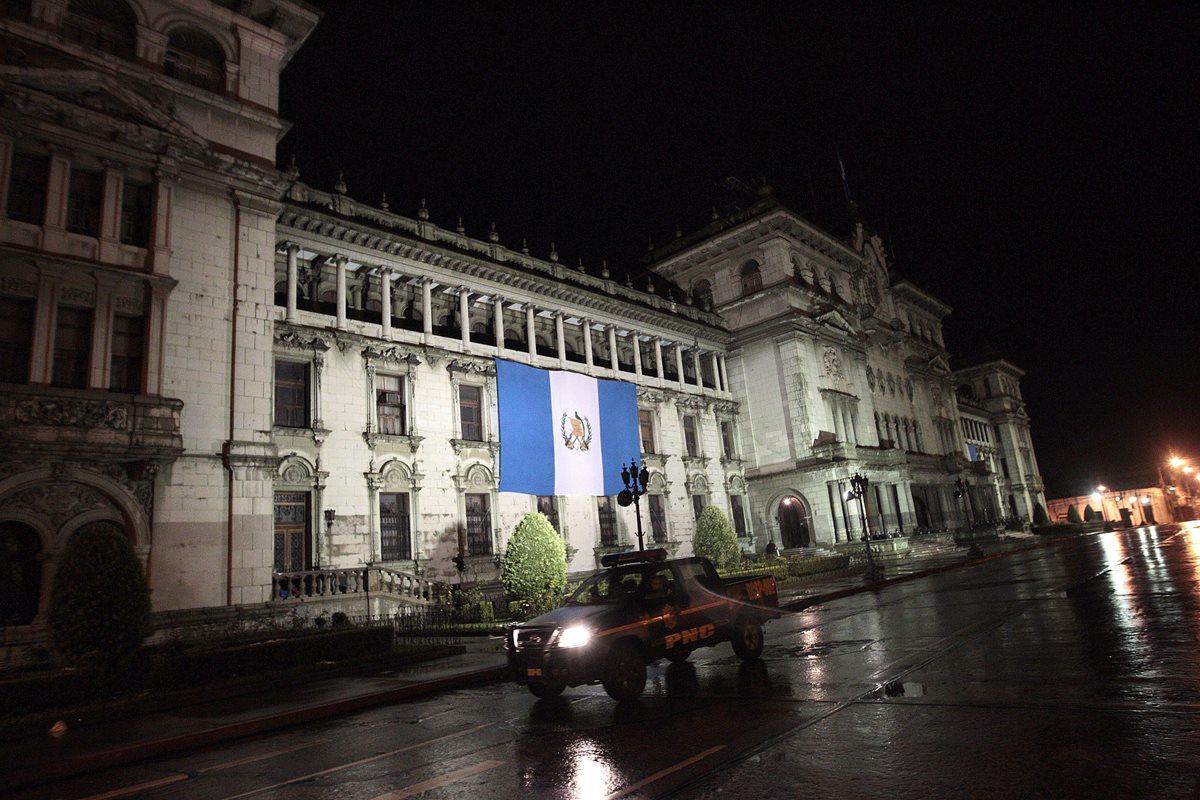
{"points": [[526, 429], [621, 441]]}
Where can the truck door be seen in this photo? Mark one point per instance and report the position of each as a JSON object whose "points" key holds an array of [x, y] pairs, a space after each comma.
{"points": [[660, 604]]}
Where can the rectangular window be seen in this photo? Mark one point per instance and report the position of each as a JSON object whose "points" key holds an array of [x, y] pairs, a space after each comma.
{"points": [[727, 439], [27, 188], [136, 203], [607, 514], [291, 531], [1004, 467], [658, 517], [125, 366], [697, 504], [646, 426], [16, 338], [390, 406], [291, 394], [479, 525], [739, 515], [548, 505], [394, 540], [690, 442], [84, 199], [72, 343], [470, 412]]}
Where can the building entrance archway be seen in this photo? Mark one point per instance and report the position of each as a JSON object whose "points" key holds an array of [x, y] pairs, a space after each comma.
{"points": [[20, 573], [793, 523]]}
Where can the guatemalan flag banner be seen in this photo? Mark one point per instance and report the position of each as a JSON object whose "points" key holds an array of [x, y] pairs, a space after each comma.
{"points": [[564, 433]]}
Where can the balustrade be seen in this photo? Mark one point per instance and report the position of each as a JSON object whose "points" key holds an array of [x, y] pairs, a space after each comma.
{"points": [[318, 583]]}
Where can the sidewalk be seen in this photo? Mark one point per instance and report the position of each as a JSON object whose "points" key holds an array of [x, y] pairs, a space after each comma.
{"points": [[42, 758]]}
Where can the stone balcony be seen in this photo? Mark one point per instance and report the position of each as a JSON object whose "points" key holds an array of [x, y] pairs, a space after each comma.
{"points": [[85, 424]]}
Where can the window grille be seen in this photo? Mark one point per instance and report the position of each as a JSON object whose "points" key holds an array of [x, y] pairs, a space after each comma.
{"points": [[470, 409], [479, 525], [291, 394], [395, 541], [608, 521], [390, 406]]}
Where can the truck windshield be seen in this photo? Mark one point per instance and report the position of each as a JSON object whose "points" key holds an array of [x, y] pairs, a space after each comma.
{"points": [[613, 585]]}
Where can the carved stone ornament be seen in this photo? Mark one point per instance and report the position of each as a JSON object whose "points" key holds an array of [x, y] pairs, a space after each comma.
{"points": [[726, 408], [57, 501], [935, 394], [391, 355], [294, 340], [691, 402], [871, 378], [73, 413], [832, 361], [649, 395], [467, 367]]}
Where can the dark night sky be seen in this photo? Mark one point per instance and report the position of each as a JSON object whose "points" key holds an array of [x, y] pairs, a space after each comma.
{"points": [[1034, 170]]}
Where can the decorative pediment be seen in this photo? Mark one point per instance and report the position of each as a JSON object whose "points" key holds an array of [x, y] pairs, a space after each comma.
{"points": [[463, 366], [400, 356], [297, 340], [691, 402], [835, 319], [646, 395], [296, 470], [939, 365], [725, 408]]}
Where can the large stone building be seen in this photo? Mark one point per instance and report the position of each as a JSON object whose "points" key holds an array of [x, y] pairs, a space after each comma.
{"points": [[269, 387]]}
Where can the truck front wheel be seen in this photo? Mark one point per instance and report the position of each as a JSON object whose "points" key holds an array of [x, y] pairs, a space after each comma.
{"points": [[544, 690], [625, 675], [747, 639]]}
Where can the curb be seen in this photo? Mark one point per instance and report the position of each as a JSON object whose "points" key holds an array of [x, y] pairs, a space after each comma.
{"points": [[127, 754]]}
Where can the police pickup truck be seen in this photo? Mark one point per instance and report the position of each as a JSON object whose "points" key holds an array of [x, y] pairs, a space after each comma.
{"points": [[640, 607]]}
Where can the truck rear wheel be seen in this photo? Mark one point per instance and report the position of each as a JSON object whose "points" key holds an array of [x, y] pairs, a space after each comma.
{"points": [[544, 690], [678, 657], [625, 674], [747, 639]]}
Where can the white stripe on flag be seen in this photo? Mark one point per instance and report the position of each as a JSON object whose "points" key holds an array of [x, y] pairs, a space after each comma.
{"points": [[575, 411]]}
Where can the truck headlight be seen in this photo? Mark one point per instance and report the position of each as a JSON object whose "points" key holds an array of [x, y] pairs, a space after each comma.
{"points": [[577, 636]]}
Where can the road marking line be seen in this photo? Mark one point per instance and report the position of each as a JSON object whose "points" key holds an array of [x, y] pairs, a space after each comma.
{"points": [[361, 761], [141, 787], [440, 781], [259, 757], [687, 762]]}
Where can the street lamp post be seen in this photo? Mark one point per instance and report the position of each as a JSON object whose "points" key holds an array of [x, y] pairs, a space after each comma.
{"points": [[858, 488], [960, 491], [636, 480]]}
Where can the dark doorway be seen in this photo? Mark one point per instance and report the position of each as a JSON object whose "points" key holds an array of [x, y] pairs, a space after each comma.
{"points": [[922, 512], [20, 573], [793, 523]]}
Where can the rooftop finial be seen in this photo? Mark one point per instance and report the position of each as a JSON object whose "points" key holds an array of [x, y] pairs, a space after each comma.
{"points": [[293, 171], [461, 230], [678, 231], [423, 212], [525, 246], [493, 234], [649, 284], [604, 269], [715, 215], [383, 203], [628, 280], [340, 186], [553, 252], [580, 267], [650, 243]]}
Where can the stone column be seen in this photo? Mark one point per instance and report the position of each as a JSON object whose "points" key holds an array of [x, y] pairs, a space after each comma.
{"points": [[464, 315], [637, 354], [586, 326], [658, 362], [498, 322], [679, 362], [696, 369], [385, 300], [560, 341], [293, 279], [531, 331], [156, 333], [340, 261], [724, 374], [427, 306], [716, 371], [612, 347]]}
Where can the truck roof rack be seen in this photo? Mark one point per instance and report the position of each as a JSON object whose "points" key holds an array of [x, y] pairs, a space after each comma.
{"points": [[633, 557]]}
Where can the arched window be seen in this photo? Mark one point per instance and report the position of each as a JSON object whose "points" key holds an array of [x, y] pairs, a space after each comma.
{"points": [[751, 277], [107, 25], [702, 292], [195, 58]]}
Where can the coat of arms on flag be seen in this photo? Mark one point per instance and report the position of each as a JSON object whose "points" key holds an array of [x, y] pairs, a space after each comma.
{"points": [[564, 433]]}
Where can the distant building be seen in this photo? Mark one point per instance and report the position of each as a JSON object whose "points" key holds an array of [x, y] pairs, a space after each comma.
{"points": [[1149, 505], [270, 387]]}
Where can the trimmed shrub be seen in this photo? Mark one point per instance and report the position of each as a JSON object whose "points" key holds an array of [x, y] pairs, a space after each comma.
{"points": [[534, 568], [1073, 515], [1040, 517], [715, 539], [1089, 514], [99, 608]]}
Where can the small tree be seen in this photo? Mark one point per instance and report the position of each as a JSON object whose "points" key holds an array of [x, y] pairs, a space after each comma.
{"points": [[100, 603], [715, 538], [1040, 517], [1073, 515], [534, 568], [1089, 514]]}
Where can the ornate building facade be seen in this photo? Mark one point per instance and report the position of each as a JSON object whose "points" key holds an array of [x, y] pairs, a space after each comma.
{"points": [[260, 381]]}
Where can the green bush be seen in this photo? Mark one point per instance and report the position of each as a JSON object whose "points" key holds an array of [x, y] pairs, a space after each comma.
{"points": [[1090, 514], [715, 539], [1040, 517], [99, 608], [1073, 515], [534, 568]]}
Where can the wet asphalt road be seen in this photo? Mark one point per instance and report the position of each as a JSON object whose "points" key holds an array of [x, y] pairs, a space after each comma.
{"points": [[1070, 671]]}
